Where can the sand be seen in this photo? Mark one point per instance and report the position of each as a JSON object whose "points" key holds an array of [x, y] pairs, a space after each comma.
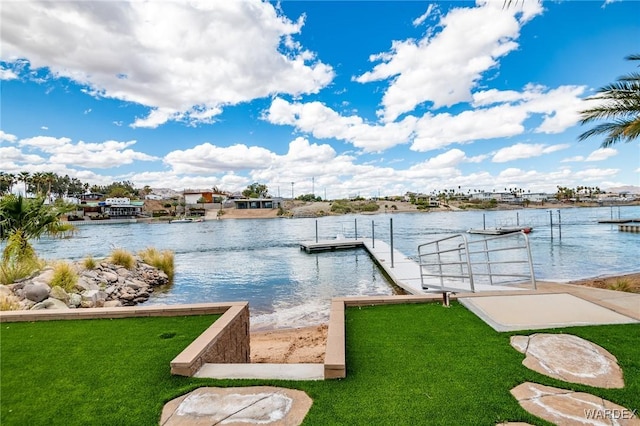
{"points": [[307, 344]]}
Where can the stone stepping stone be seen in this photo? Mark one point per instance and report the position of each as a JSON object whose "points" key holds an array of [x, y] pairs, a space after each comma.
{"points": [[569, 358], [565, 407], [262, 405]]}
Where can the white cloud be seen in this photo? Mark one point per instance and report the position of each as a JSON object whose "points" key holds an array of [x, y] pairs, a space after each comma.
{"points": [[183, 60], [324, 123], [209, 159], [7, 137], [497, 115], [102, 155], [7, 74], [601, 154], [11, 155], [595, 174], [444, 68], [523, 150], [419, 20]]}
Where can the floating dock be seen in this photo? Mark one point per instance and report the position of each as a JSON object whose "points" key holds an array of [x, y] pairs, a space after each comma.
{"points": [[629, 228], [330, 245], [500, 231]]}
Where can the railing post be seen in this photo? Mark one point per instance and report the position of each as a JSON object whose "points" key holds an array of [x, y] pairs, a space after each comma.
{"points": [[373, 235], [559, 225], [551, 223], [391, 234], [356, 223], [316, 230]]}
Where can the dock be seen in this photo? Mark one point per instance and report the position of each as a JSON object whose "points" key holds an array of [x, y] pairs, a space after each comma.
{"points": [[629, 228], [401, 270], [500, 231], [331, 245]]}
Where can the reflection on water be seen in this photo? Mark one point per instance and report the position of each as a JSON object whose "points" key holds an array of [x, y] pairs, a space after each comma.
{"points": [[260, 261]]}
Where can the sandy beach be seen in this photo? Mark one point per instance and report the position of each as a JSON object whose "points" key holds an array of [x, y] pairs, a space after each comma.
{"points": [[307, 344]]}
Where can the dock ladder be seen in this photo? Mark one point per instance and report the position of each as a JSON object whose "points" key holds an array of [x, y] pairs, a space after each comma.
{"points": [[460, 264]]}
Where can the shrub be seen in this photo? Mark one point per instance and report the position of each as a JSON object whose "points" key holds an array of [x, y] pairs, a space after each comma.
{"points": [[11, 271], [162, 260], [89, 262], [621, 285], [64, 276], [123, 258], [9, 303]]}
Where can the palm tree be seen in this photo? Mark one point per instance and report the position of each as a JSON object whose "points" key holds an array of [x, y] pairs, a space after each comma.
{"points": [[22, 219], [620, 103], [24, 177], [49, 178]]}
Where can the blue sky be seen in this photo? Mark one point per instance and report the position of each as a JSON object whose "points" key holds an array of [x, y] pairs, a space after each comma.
{"points": [[361, 97]]}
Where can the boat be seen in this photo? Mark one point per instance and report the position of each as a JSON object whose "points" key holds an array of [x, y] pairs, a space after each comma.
{"points": [[182, 220], [501, 231], [187, 220]]}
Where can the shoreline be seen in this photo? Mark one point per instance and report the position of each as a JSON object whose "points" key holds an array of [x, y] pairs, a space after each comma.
{"points": [[308, 344]]}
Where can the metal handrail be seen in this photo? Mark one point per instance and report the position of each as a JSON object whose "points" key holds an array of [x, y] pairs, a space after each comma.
{"points": [[457, 258]]}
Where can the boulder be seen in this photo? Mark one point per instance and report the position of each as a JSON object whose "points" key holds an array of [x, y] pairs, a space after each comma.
{"points": [[90, 295], [75, 300], [58, 292], [36, 292], [50, 303], [84, 284], [123, 272], [110, 277], [44, 277], [112, 304]]}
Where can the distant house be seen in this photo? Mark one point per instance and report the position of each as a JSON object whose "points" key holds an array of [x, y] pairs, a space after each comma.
{"points": [[155, 197], [121, 208], [90, 196], [257, 203], [193, 196]]}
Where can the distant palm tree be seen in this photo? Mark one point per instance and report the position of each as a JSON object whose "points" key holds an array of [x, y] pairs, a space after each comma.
{"points": [[24, 177], [620, 104]]}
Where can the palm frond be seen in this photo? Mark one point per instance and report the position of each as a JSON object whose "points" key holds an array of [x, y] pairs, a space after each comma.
{"points": [[620, 103]]}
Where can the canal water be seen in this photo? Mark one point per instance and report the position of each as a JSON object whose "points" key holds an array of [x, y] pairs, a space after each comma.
{"points": [[260, 261]]}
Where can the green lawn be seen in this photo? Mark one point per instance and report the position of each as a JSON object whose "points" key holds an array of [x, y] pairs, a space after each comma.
{"points": [[406, 364]]}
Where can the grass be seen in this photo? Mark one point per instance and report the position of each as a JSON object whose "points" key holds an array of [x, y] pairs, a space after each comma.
{"points": [[406, 364], [162, 260], [12, 271], [89, 262], [110, 372], [123, 258], [64, 276]]}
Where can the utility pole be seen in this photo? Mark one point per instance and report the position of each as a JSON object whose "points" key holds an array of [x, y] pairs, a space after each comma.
{"points": [[313, 186], [292, 190]]}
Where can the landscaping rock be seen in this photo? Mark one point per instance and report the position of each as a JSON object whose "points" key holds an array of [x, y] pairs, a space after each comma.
{"points": [[263, 405], [5, 291], [50, 303], [75, 300], [58, 292], [569, 358], [565, 407], [112, 304], [86, 283], [95, 287], [36, 292]]}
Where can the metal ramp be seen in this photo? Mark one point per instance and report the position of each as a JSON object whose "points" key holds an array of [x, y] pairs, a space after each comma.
{"points": [[461, 264]]}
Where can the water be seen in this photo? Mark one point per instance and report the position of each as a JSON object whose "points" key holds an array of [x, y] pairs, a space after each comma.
{"points": [[260, 261]]}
